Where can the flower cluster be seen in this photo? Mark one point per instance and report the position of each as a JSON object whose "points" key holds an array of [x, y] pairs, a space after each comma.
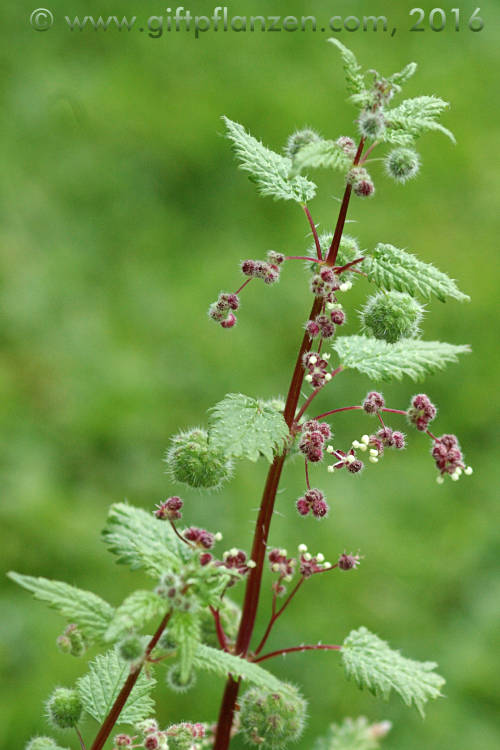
{"points": [[222, 310], [170, 509], [348, 562], [373, 402], [201, 538], [311, 564], [349, 460], [314, 436], [421, 412], [313, 502], [347, 145], [284, 566], [269, 271], [448, 457], [362, 183], [236, 560], [317, 369]]}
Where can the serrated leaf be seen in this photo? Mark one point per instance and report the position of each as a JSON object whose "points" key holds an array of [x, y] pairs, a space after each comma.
{"points": [[245, 427], [413, 117], [374, 665], [91, 613], [270, 171], [99, 688], [352, 69], [325, 154], [222, 663], [186, 632], [352, 734], [140, 540], [136, 610], [382, 361], [391, 268]]}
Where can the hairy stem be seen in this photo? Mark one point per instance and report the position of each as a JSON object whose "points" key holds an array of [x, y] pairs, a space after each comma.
{"points": [[251, 602], [316, 647], [314, 232], [117, 707]]}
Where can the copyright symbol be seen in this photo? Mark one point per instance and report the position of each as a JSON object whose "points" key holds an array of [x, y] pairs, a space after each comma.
{"points": [[41, 19]]}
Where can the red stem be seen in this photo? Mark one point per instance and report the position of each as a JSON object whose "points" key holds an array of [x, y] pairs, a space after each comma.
{"points": [[313, 395], [317, 647], [307, 475], [117, 707], [252, 591], [221, 636], [243, 286], [277, 614], [301, 257], [314, 232]]}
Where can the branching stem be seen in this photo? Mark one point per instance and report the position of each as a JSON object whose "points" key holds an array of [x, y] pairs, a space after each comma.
{"points": [[316, 647]]}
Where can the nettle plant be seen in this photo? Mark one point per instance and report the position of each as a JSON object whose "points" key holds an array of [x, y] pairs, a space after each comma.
{"points": [[196, 626]]}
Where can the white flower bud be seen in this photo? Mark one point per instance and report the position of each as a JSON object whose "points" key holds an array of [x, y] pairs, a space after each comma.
{"points": [[365, 439], [440, 479], [468, 470]]}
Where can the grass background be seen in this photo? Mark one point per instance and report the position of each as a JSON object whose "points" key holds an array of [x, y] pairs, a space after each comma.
{"points": [[122, 216]]}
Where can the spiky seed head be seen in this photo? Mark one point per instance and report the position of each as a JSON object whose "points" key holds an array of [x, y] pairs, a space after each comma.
{"points": [[371, 124], [354, 466], [348, 562], [399, 440], [131, 648], [192, 461], [299, 139], [392, 316], [229, 321], [271, 719], [363, 189], [402, 164], [174, 681], [337, 317], [122, 740], [42, 743], [180, 737], [64, 708]]}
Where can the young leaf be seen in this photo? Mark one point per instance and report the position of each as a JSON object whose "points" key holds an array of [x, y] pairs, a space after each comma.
{"points": [[414, 117], [374, 665], [244, 427], [269, 170], [222, 663], [391, 268], [99, 689], [186, 632], [352, 69], [87, 610], [140, 540], [134, 613], [327, 154], [403, 75], [355, 734], [382, 361]]}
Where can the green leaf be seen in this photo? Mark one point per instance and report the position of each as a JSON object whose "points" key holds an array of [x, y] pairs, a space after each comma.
{"points": [[326, 154], [140, 540], [405, 74], [382, 361], [352, 734], [391, 268], [269, 170], [91, 613], [100, 687], [414, 117], [352, 69], [244, 427], [135, 612], [374, 665], [222, 663], [186, 632]]}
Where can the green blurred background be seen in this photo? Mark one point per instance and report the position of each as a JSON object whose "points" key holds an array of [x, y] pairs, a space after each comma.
{"points": [[122, 217]]}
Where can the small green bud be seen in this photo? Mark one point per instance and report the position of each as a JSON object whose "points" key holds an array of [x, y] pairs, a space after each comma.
{"points": [[175, 683], [270, 719], [71, 641], [371, 124], [64, 708], [192, 461], [402, 164], [131, 648], [299, 139], [42, 743], [392, 316]]}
